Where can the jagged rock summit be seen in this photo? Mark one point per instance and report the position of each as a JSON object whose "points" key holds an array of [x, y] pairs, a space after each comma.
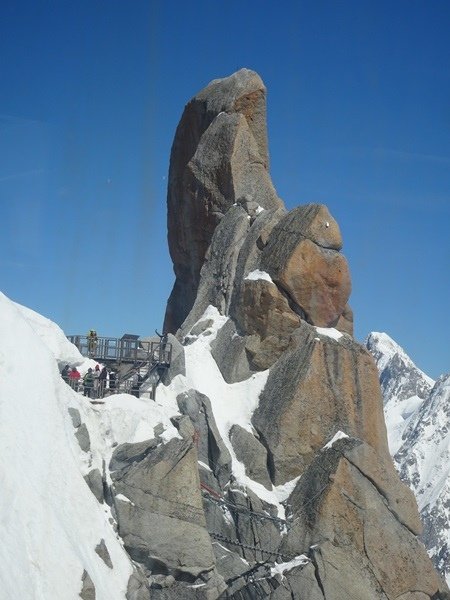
{"points": [[219, 157], [281, 285]]}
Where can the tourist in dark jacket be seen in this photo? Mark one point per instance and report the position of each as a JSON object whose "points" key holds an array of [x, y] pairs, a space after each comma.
{"points": [[65, 373], [112, 381], [88, 383], [101, 383]]}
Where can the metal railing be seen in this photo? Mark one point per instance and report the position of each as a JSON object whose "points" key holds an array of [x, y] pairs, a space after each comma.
{"points": [[123, 350], [148, 360]]}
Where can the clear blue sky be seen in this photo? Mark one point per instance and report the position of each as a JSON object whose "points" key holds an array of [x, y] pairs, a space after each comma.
{"points": [[359, 116]]}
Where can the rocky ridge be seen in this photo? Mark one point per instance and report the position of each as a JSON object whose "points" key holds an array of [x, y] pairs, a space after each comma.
{"points": [[418, 421], [265, 472]]}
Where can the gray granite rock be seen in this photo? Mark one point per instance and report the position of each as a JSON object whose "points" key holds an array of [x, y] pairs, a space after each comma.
{"points": [[229, 351], [88, 588], [75, 416], [252, 453], [217, 274], [357, 523], [127, 454], [162, 522], [210, 446], [82, 435], [102, 551], [138, 587], [95, 482], [317, 387]]}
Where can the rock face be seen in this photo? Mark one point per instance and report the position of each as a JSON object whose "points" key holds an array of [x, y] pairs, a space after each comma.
{"points": [[159, 508], [321, 386], [219, 157], [264, 292], [361, 511]]}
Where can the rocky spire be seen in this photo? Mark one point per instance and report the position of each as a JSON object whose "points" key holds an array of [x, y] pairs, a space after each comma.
{"points": [[219, 157], [281, 283]]}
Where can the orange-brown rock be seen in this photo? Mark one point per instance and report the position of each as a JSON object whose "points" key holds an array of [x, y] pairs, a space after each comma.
{"points": [[264, 310], [263, 313], [345, 321], [302, 258], [219, 155]]}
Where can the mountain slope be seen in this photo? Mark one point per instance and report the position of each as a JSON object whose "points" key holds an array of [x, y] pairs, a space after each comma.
{"points": [[418, 422]]}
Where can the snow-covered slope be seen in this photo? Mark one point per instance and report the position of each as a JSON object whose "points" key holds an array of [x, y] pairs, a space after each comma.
{"points": [[417, 413], [399, 376], [403, 385], [51, 522], [424, 463]]}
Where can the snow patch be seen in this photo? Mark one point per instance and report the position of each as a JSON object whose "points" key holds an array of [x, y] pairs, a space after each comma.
{"points": [[257, 274], [281, 568], [330, 332], [339, 435], [123, 498]]}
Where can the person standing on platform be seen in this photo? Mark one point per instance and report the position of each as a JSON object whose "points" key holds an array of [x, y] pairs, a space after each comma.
{"points": [[92, 339], [88, 383], [74, 378], [102, 382]]}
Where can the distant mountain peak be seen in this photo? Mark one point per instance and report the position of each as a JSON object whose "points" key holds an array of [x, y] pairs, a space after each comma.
{"points": [[399, 376], [417, 414]]}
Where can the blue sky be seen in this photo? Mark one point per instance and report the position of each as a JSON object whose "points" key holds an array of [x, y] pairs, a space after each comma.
{"points": [[358, 115]]}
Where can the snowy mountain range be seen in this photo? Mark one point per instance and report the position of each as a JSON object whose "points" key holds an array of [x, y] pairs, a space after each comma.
{"points": [[417, 412]]}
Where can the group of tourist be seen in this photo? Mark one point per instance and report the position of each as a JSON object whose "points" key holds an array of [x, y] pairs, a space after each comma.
{"points": [[94, 383]]}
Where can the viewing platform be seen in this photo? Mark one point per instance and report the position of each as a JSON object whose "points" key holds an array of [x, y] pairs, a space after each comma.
{"points": [[139, 365], [127, 349]]}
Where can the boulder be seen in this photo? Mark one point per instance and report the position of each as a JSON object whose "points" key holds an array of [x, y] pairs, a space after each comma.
{"points": [[264, 310], [264, 314], [302, 259], [138, 588], [219, 155], [129, 453], [229, 351]]}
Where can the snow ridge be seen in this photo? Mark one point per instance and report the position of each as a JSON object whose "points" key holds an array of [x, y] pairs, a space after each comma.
{"points": [[417, 413]]}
